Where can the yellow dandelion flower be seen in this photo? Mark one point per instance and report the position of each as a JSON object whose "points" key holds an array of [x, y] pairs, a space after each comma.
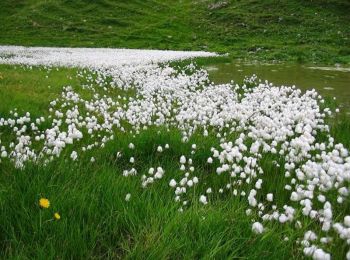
{"points": [[44, 203], [57, 216]]}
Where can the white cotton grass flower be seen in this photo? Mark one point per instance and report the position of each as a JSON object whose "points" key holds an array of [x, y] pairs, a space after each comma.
{"points": [[159, 173], [159, 149], [172, 183], [182, 159], [3, 154], [257, 228], [203, 199], [319, 254], [269, 197], [74, 155], [189, 183], [127, 197], [151, 171], [258, 184], [347, 221]]}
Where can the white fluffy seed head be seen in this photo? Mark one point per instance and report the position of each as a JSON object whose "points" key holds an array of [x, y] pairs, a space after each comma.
{"points": [[127, 197], [257, 228], [172, 183], [203, 199], [182, 159], [269, 197]]}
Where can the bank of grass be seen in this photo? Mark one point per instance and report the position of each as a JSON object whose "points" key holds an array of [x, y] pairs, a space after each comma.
{"points": [[97, 222], [32, 89], [270, 30]]}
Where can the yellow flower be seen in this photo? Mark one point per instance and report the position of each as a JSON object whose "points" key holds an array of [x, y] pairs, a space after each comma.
{"points": [[44, 203], [57, 216]]}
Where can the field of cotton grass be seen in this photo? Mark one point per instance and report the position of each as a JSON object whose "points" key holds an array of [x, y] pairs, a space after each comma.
{"points": [[149, 160]]}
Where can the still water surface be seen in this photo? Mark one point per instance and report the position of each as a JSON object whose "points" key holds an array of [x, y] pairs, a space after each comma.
{"points": [[328, 81]]}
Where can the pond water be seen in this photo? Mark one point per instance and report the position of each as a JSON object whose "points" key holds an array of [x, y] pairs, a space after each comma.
{"points": [[328, 81]]}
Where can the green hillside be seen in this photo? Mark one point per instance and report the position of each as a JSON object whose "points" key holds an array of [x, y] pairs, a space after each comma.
{"points": [[286, 30]]}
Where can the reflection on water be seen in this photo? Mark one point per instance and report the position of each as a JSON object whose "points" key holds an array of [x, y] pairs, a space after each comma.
{"points": [[327, 81]]}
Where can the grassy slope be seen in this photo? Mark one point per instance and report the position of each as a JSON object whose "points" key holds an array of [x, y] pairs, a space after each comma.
{"points": [[97, 222], [303, 31]]}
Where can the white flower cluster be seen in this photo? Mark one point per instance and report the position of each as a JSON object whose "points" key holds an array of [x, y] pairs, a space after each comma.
{"points": [[249, 122], [154, 175], [90, 57]]}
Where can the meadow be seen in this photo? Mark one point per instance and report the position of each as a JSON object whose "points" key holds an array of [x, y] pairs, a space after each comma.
{"points": [[136, 154], [166, 185]]}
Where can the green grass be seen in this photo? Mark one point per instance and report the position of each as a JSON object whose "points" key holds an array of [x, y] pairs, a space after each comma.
{"points": [[297, 31], [32, 91], [96, 220]]}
